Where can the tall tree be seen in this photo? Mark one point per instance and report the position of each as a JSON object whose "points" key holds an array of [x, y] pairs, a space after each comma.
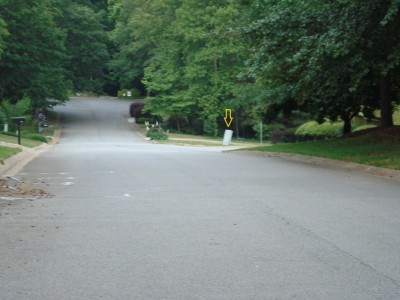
{"points": [[3, 32], [138, 31], [86, 45], [199, 55], [34, 53], [330, 57]]}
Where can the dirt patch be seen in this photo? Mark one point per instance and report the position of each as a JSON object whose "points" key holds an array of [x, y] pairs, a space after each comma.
{"points": [[10, 187]]}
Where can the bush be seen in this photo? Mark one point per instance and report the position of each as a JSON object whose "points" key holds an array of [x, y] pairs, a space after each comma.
{"points": [[36, 137], [290, 135], [157, 134], [277, 136], [142, 120], [267, 130], [313, 130], [285, 136]]}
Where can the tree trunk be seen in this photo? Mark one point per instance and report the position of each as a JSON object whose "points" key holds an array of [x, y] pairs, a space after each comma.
{"points": [[178, 124], [347, 123], [237, 126], [386, 102]]}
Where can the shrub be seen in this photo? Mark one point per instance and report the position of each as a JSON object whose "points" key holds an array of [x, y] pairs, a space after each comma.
{"points": [[36, 137], [21, 108], [157, 134], [267, 130], [313, 130], [277, 136], [142, 120], [285, 136], [290, 135]]}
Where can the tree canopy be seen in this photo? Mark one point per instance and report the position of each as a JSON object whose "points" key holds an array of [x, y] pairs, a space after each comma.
{"points": [[50, 48], [193, 59]]}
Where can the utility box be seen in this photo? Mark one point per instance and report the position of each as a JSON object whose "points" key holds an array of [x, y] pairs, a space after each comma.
{"points": [[227, 137]]}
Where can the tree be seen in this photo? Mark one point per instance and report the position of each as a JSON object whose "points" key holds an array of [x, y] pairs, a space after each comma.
{"points": [[86, 45], [34, 53], [139, 25], [3, 33], [329, 56], [196, 62]]}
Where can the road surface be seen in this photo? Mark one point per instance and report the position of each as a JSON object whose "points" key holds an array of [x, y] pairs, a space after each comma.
{"points": [[135, 220]]}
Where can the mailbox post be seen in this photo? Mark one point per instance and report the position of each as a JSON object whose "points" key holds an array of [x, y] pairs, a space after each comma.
{"points": [[18, 121]]}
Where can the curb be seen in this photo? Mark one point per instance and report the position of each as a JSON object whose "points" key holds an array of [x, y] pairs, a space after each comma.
{"points": [[333, 164], [15, 163]]}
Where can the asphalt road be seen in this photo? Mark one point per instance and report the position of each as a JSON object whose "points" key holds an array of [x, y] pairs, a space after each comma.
{"points": [[134, 220]]}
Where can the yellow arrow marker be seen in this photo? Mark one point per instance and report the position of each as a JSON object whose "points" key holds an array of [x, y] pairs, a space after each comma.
{"points": [[228, 117]]}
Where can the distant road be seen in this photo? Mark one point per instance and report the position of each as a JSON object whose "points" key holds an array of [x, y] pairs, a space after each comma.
{"points": [[135, 220]]}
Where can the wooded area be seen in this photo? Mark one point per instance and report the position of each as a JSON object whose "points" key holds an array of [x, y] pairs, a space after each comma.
{"points": [[192, 59]]}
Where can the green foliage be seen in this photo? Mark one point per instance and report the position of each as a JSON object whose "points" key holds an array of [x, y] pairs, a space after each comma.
{"points": [[211, 127], [330, 57], [86, 45], [267, 130], [157, 134], [142, 120], [3, 116], [20, 108], [313, 130], [35, 137], [34, 53], [3, 34]]}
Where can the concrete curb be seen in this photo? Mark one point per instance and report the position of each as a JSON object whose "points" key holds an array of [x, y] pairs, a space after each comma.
{"points": [[15, 163], [332, 163]]}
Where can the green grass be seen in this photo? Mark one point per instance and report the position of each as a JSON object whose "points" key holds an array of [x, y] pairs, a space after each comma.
{"points": [[6, 152], [24, 142], [371, 149]]}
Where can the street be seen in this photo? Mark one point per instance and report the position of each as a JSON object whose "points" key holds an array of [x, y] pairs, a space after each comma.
{"points": [[131, 219]]}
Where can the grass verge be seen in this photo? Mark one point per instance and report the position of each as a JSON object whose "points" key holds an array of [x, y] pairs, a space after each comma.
{"points": [[24, 141], [380, 148], [6, 152]]}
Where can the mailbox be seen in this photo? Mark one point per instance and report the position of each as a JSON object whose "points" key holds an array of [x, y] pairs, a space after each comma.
{"points": [[18, 120]]}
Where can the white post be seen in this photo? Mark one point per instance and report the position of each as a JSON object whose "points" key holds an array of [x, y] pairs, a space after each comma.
{"points": [[261, 132], [227, 137], [6, 127]]}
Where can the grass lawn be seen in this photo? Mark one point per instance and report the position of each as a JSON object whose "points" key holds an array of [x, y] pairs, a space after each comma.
{"points": [[6, 152], [380, 148], [24, 142]]}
